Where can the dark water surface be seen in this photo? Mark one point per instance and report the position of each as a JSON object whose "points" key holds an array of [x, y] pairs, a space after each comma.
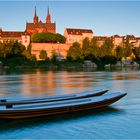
{"points": [[120, 120]]}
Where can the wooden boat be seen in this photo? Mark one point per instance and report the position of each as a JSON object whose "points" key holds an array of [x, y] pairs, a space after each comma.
{"points": [[65, 106], [98, 92]]}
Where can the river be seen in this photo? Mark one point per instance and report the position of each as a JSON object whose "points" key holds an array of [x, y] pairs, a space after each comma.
{"points": [[119, 121]]}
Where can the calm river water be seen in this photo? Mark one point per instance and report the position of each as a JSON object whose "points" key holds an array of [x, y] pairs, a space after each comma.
{"points": [[120, 120]]}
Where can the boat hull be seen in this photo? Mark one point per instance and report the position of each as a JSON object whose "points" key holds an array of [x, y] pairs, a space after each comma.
{"points": [[29, 113]]}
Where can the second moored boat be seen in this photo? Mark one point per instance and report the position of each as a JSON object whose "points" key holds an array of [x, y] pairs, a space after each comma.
{"points": [[9, 103]]}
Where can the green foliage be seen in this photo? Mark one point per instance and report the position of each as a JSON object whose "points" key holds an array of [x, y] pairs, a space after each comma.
{"points": [[75, 52], [127, 48], [17, 48], [106, 48], [47, 38], [119, 52], [29, 48], [9, 49], [33, 58], [91, 51], [94, 48], [54, 57], [137, 60], [86, 48], [136, 52], [60, 38], [14, 61], [69, 59], [6, 49], [26, 54], [43, 55], [107, 59]]}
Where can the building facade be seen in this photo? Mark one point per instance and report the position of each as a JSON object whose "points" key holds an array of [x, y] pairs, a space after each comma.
{"points": [[77, 35], [38, 26], [117, 40], [21, 37]]}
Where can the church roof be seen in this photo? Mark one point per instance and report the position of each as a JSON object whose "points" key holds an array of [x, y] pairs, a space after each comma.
{"points": [[78, 31], [32, 26]]}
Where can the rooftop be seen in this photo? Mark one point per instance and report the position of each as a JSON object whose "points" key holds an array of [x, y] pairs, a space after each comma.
{"points": [[11, 34], [78, 31]]}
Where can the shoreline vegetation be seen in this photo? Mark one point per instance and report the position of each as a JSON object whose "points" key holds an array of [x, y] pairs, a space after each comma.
{"points": [[89, 54], [21, 63]]}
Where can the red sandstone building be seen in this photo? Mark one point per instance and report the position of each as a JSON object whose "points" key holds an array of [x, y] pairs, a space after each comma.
{"points": [[39, 26]]}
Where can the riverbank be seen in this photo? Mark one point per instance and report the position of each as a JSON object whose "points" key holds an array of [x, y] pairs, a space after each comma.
{"points": [[23, 63]]}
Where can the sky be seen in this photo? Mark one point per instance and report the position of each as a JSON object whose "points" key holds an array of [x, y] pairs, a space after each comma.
{"points": [[105, 18]]}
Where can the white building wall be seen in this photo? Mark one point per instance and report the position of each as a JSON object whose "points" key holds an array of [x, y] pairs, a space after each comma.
{"points": [[25, 40]]}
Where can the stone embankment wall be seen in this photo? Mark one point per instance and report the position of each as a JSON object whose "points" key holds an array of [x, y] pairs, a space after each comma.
{"points": [[58, 48]]}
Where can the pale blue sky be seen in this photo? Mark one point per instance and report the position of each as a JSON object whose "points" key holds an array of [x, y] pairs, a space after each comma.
{"points": [[103, 17]]}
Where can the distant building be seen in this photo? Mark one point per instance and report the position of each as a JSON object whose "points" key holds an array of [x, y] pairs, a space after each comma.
{"points": [[77, 35], [100, 40], [117, 40], [39, 26], [135, 41], [21, 37]]}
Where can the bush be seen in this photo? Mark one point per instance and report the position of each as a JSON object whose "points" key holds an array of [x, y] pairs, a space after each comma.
{"points": [[75, 51], [43, 55]]}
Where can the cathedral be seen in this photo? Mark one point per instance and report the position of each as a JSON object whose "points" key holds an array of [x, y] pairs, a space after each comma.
{"points": [[39, 26]]}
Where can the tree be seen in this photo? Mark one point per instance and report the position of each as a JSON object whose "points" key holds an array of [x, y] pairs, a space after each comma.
{"points": [[136, 52], [107, 59], [54, 57], [94, 48], [60, 38], [17, 48], [127, 48], [86, 47], [8, 49], [48, 38], [119, 52], [75, 51], [107, 47], [43, 55]]}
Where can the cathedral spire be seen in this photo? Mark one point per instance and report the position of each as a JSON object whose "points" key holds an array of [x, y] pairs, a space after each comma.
{"points": [[35, 17], [48, 18]]}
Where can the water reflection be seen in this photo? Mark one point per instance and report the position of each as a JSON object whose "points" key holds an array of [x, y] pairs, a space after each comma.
{"points": [[109, 123], [44, 83]]}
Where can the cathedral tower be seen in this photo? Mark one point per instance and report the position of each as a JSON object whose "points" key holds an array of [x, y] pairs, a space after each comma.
{"points": [[38, 26], [35, 17], [48, 18]]}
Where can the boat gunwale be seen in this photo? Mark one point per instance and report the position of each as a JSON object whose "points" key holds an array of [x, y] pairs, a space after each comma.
{"points": [[56, 98], [90, 101]]}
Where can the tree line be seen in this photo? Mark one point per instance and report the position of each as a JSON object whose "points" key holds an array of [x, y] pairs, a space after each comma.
{"points": [[107, 53]]}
